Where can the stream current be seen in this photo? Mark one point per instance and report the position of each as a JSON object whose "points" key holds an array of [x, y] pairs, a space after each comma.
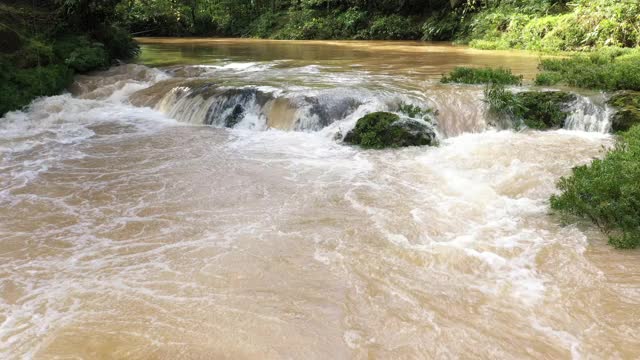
{"points": [[200, 204]]}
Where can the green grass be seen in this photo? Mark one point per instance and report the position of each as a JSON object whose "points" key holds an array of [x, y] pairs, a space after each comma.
{"points": [[540, 110], [467, 75], [607, 192], [608, 69]]}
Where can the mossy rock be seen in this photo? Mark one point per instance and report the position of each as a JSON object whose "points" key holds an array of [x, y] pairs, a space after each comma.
{"points": [[627, 105], [381, 130], [544, 109]]}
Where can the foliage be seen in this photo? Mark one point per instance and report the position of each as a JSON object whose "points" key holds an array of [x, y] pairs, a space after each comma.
{"points": [[554, 26], [80, 54], [504, 103], [607, 192], [19, 86], [416, 112], [54, 40], [118, 43], [612, 69], [544, 109], [466, 75], [392, 27], [381, 130], [536, 109], [627, 105]]}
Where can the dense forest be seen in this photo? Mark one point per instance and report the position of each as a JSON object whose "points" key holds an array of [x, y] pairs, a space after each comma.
{"points": [[527, 24]]}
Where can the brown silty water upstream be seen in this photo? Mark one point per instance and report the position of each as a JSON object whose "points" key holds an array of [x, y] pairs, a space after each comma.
{"points": [[128, 230]]}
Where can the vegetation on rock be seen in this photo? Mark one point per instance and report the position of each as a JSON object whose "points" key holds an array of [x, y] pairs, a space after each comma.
{"points": [[607, 192], [381, 130], [539, 110], [627, 105]]}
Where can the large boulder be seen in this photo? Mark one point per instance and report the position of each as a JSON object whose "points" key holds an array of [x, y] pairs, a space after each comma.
{"points": [[544, 109], [381, 130], [627, 105]]}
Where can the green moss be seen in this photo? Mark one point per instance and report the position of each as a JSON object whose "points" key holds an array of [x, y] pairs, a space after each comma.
{"points": [[627, 105], [386, 130], [607, 192], [467, 75]]}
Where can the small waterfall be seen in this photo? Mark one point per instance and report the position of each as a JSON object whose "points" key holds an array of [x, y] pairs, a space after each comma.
{"points": [[590, 114]]}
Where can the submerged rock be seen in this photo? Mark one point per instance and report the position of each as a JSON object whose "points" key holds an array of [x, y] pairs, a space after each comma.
{"points": [[383, 130], [627, 105], [545, 109]]}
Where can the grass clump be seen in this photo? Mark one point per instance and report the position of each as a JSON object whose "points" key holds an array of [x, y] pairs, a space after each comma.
{"points": [[544, 109], [416, 112], [381, 130], [538, 110], [607, 192], [467, 75], [612, 69]]}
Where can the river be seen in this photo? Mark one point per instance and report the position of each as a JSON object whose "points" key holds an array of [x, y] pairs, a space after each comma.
{"points": [[131, 231]]}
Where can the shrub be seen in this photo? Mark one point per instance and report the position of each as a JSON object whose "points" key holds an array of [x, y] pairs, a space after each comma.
{"points": [[18, 87], [441, 26], [466, 75], [607, 192], [392, 27], [117, 42], [35, 53], [81, 54]]}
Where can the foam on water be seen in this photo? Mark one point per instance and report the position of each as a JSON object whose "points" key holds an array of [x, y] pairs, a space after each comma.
{"points": [[125, 228]]}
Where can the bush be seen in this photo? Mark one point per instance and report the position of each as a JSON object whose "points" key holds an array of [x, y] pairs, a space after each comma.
{"points": [[392, 27], [34, 53], [80, 54], [607, 192], [441, 27], [18, 87], [117, 42], [466, 75]]}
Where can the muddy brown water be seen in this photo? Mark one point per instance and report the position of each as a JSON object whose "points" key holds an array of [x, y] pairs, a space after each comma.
{"points": [[130, 231]]}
